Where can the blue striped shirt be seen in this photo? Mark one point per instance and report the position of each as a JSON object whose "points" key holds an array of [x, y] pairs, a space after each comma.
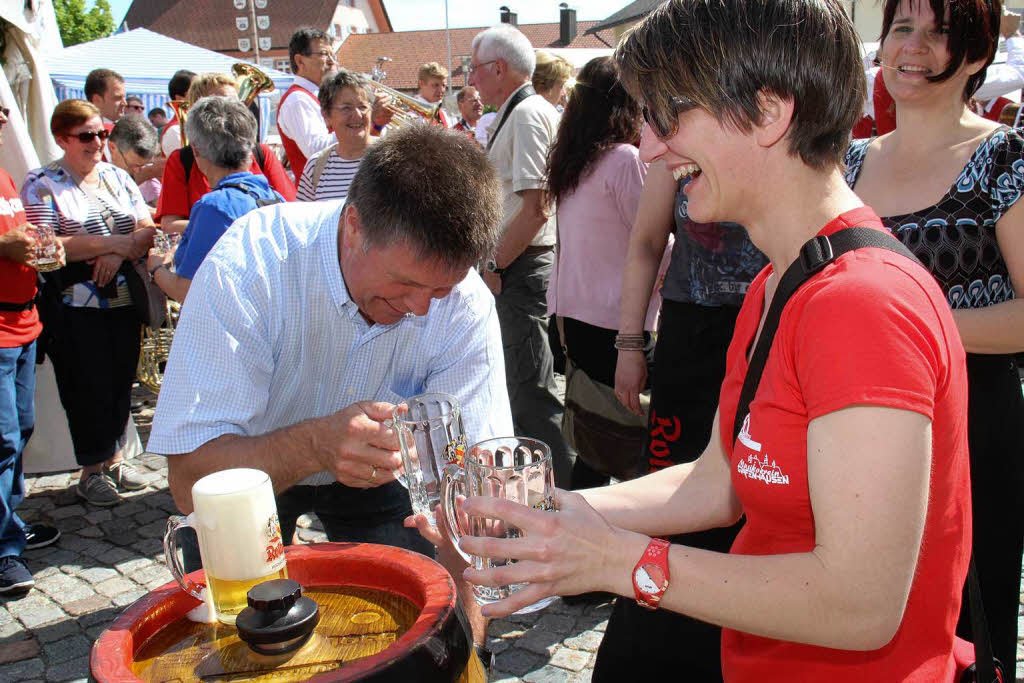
{"points": [[269, 337]]}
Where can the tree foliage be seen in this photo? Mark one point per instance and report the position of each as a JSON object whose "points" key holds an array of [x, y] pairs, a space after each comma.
{"points": [[79, 26]]}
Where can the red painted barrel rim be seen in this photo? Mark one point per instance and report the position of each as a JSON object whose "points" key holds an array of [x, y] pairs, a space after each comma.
{"points": [[416, 577]]}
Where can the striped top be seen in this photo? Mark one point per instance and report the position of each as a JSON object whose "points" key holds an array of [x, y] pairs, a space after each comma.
{"points": [[51, 196], [334, 180]]}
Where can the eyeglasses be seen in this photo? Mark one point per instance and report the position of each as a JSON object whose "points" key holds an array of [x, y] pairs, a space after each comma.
{"points": [[88, 136], [666, 125], [347, 109], [474, 67], [323, 53], [137, 107]]}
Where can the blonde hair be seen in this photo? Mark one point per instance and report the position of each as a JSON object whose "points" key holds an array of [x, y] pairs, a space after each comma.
{"points": [[431, 70], [550, 69], [206, 83]]}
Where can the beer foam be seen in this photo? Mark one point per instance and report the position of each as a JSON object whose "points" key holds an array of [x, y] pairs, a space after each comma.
{"points": [[235, 517], [204, 612]]}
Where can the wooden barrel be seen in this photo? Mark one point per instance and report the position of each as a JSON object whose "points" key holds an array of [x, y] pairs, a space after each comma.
{"points": [[428, 639]]}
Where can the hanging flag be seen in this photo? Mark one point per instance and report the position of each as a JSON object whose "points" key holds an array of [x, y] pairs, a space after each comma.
{"points": [[263, 22], [240, 4], [265, 43], [242, 23], [244, 45]]}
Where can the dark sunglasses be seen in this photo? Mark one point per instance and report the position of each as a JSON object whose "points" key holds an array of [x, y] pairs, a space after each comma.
{"points": [[88, 136], [664, 125]]}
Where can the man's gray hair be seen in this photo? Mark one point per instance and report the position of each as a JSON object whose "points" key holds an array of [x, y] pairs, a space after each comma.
{"points": [[338, 81], [508, 43], [222, 130], [137, 134]]}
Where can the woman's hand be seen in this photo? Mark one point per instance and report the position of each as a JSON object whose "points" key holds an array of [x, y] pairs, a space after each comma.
{"points": [[124, 246], [567, 552], [630, 378], [105, 268], [156, 259], [142, 241]]}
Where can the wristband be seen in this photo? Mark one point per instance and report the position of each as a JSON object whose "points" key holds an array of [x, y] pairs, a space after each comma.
{"points": [[651, 576], [152, 271]]}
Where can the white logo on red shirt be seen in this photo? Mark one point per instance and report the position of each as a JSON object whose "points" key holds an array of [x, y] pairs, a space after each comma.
{"points": [[10, 207], [744, 436], [762, 470]]}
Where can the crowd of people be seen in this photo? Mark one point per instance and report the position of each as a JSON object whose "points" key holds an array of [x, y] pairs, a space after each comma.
{"points": [[829, 417]]}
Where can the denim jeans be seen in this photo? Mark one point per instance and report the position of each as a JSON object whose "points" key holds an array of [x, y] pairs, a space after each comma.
{"points": [[17, 419]]}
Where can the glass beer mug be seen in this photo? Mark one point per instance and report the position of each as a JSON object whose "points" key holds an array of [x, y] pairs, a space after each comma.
{"points": [[514, 468], [431, 437], [235, 517]]}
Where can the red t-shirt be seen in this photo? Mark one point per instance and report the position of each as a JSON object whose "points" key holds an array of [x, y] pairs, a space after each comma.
{"points": [[17, 281], [176, 199], [871, 328]]}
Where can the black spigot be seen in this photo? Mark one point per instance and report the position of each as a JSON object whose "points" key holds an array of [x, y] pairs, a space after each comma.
{"points": [[279, 619]]}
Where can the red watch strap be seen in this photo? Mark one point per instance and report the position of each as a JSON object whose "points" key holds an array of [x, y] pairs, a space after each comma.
{"points": [[656, 553]]}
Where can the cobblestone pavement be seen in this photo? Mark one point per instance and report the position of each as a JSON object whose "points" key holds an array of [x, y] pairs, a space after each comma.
{"points": [[108, 558]]}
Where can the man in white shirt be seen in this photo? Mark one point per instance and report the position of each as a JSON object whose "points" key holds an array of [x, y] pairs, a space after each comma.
{"points": [[105, 90], [177, 90], [299, 119], [312, 320], [502, 64]]}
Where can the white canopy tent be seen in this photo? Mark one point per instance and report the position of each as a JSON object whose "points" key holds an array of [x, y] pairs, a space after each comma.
{"points": [[147, 60]]}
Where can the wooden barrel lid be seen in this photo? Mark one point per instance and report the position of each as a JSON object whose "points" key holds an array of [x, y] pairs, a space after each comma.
{"points": [[436, 645]]}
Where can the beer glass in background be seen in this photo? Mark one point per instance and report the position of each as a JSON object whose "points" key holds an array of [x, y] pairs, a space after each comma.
{"points": [[165, 242], [235, 517], [46, 252], [431, 437], [514, 468]]}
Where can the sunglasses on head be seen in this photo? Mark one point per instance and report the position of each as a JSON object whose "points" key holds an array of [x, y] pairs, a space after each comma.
{"points": [[665, 124], [88, 136]]}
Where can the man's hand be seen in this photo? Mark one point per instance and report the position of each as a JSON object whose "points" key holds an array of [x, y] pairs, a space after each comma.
{"points": [[493, 282], [356, 445], [382, 113], [17, 245], [105, 267], [156, 259]]}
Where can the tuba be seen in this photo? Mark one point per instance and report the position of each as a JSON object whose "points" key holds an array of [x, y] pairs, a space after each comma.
{"points": [[407, 109], [155, 349], [250, 82], [180, 108]]}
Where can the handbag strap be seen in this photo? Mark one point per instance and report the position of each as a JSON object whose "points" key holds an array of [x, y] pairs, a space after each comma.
{"points": [[817, 253]]}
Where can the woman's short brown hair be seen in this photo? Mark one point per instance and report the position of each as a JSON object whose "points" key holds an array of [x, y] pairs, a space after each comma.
{"points": [[972, 34], [204, 85], [723, 55], [70, 114], [550, 70]]}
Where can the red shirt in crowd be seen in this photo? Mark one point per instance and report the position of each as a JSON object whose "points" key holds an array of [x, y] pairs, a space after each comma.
{"points": [[17, 281], [177, 198], [872, 328]]}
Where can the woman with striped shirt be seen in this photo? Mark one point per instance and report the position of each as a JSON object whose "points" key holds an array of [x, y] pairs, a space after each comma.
{"points": [[345, 100], [100, 216]]}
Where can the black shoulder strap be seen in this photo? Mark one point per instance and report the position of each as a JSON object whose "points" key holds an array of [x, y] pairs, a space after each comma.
{"points": [[520, 95], [260, 201], [261, 159], [188, 159], [817, 253]]}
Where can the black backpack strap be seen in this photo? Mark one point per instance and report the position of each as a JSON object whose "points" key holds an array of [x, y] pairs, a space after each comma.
{"points": [[188, 160], [9, 306], [817, 253], [261, 159]]}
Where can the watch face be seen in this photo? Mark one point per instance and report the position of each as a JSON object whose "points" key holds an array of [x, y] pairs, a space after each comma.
{"points": [[650, 579]]}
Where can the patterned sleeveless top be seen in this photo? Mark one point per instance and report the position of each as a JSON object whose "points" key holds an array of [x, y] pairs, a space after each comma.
{"points": [[956, 238]]}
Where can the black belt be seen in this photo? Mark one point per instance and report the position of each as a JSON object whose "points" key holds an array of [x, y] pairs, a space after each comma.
{"points": [[533, 250], [26, 306]]}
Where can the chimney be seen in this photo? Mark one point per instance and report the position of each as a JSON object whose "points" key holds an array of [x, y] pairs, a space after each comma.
{"points": [[508, 16], [567, 24]]}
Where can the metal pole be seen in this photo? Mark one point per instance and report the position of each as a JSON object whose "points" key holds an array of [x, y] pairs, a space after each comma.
{"points": [[448, 39], [255, 35]]}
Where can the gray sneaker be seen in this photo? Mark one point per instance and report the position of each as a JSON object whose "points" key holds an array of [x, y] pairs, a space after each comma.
{"points": [[99, 490], [125, 476]]}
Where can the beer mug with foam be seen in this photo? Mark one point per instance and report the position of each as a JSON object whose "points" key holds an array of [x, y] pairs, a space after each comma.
{"points": [[515, 468], [431, 437], [235, 517]]}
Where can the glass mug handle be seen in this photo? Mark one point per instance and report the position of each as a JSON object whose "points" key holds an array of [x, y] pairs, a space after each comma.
{"points": [[453, 483], [174, 524]]}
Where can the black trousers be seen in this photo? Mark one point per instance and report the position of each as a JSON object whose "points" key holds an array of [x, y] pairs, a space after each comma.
{"points": [[689, 366], [94, 362], [995, 427]]}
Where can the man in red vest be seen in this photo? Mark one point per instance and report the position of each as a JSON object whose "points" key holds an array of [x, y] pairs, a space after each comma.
{"points": [[299, 119]]}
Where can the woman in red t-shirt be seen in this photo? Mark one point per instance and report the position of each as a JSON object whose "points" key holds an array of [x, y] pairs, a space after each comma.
{"points": [[180, 190], [851, 468]]}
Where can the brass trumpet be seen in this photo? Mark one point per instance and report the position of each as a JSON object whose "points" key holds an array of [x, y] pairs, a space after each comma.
{"points": [[407, 109], [250, 82], [156, 347]]}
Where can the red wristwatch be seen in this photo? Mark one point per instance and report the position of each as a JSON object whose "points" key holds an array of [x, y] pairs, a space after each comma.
{"points": [[650, 575]]}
